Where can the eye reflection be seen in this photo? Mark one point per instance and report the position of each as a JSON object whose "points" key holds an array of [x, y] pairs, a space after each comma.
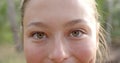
{"points": [[76, 33], [39, 35], [73, 34]]}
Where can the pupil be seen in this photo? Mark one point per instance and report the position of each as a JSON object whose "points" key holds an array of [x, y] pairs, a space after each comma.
{"points": [[40, 35], [75, 33]]}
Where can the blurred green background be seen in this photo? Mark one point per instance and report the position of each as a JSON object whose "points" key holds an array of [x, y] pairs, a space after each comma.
{"points": [[11, 44]]}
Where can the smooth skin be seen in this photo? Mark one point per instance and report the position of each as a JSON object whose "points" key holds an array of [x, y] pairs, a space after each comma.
{"points": [[60, 31]]}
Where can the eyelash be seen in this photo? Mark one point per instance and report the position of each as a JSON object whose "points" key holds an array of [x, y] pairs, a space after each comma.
{"points": [[82, 32], [35, 35]]}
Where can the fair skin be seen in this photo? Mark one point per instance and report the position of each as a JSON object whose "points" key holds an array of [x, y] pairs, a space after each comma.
{"points": [[59, 32]]}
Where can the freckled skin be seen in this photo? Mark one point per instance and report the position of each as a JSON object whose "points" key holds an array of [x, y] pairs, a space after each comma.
{"points": [[59, 46]]}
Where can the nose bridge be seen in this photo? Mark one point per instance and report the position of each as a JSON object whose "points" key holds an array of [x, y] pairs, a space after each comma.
{"points": [[59, 52], [59, 48]]}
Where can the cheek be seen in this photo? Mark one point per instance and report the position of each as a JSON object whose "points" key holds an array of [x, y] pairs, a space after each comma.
{"points": [[85, 51], [34, 53]]}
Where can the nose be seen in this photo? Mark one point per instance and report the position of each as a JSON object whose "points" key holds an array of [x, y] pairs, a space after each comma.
{"points": [[58, 54]]}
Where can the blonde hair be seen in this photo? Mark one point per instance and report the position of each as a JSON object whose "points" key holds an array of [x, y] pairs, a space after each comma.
{"points": [[102, 49]]}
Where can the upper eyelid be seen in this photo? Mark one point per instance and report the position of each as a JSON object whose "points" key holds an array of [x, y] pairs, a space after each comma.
{"points": [[82, 31], [34, 29], [82, 28], [31, 33]]}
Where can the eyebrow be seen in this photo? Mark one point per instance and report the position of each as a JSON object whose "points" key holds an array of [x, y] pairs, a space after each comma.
{"points": [[74, 22], [71, 23], [38, 24]]}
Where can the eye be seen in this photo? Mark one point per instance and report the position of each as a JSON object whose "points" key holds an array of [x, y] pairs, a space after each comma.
{"points": [[39, 35], [76, 33]]}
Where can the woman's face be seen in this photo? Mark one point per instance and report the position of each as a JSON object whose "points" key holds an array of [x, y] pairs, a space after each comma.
{"points": [[59, 31]]}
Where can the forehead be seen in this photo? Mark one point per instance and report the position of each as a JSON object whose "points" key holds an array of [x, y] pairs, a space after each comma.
{"points": [[45, 10]]}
